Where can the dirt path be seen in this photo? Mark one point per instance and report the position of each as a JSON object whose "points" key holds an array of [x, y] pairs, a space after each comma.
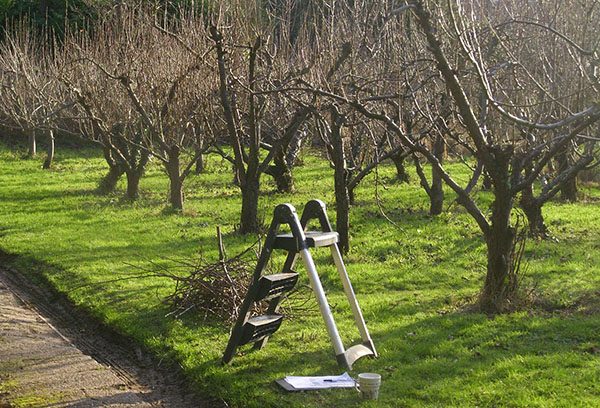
{"points": [[51, 356]]}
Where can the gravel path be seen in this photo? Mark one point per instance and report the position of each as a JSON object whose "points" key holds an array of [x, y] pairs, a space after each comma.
{"points": [[52, 357]]}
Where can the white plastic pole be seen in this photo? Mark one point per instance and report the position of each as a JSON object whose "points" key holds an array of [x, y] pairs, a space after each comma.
{"points": [[358, 317], [315, 282]]}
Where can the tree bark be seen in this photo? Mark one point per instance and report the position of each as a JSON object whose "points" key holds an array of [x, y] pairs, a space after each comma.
{"points": [[342, 207], [174, 173], [199, 165], [342, 199], [568, 191], [49, 150], [436, 195], [398, 160], [133, 183], [500, 236], [281, 173], [108, 184], [532, 208], [31, 144], [249, 216]]}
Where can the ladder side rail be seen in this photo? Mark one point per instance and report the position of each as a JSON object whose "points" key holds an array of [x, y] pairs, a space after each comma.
{"points": [[317, 287], [246, 306], [284, 214], [358, 317], [315, 209]]}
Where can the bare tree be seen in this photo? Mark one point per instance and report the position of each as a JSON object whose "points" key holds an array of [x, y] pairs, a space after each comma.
{"points": [[247, 92], [156, 95], [504, 157]]}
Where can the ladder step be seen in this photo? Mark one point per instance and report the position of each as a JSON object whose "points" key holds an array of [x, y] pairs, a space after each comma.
{"points": [[314, 239], [275, 284], [260, 327]]}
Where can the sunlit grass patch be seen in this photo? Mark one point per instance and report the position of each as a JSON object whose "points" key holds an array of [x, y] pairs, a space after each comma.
{"points": [[412, 280]]}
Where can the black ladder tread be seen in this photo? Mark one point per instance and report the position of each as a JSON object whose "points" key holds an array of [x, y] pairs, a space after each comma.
{"points": [[314, 239], [259, 327], [274, 277], [263, 320], [276, 284]]}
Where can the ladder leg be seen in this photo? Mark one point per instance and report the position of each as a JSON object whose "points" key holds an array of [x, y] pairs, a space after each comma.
{"points": [[358, 317], [332, 330]]}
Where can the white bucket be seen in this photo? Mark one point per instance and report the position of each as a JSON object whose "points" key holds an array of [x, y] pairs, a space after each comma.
{"points": [[368, 384]]}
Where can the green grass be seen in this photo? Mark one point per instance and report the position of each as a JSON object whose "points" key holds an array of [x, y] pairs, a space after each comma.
{"points": [[411, 280]]}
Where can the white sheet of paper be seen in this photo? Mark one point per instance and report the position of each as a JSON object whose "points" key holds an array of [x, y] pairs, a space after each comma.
{"points": [[323, 382]]}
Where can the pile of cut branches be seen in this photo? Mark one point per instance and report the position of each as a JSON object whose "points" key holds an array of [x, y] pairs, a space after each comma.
{"points": [[216, 290]]}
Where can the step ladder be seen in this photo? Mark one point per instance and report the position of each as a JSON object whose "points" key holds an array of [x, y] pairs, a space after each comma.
{"points": [[272, 287]]}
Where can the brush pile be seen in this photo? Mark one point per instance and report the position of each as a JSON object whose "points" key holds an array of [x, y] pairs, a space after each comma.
{"points": [[216, 290]]}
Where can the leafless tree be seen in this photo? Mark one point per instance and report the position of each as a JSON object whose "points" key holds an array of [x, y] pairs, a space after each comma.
{"points": [[251, 66], [505, 157], [157, 91], [32, 97]]}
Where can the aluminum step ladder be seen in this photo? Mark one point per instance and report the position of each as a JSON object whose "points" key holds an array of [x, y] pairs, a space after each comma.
{"points": [[272, 287]]}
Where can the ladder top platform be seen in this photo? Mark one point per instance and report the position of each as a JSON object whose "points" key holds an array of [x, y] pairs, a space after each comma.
{"points": [[314, 239]]}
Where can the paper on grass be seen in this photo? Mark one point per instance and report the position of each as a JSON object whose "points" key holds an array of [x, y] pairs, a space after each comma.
{"points": [[319, 383]]}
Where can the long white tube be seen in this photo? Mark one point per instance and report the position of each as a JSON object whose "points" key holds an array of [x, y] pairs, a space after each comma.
{"points": [[315, 282], [358, 317]]}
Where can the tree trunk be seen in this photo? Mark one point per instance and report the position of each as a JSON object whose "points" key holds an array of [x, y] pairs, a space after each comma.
{"points": [[499, 252], [351, 196], [342, 199], [133, 183], [342, 207], [199, 165], [533, 211], [568, 191], [437, 191], [108, 184], [486, 185], [282, 173], [401, 174], [499, 238], [50, 150], [174, 173], [115, 170], [31, 145], [249, 218]]}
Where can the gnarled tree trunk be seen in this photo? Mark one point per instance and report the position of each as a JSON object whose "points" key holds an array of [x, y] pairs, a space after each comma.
{"points": [[108, 183], [133, 183], [568, 191], [249, 216], [436, 193], [342, 199], [500, 236], [281, 173], [174, 173], [398, 160], [532, 208]]}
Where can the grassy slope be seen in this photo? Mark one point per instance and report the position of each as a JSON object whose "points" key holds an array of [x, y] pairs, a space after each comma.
{"points": [[410, 280]]}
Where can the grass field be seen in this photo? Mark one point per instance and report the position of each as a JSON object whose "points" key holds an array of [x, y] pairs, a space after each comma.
{"points": [[412, 280]]}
